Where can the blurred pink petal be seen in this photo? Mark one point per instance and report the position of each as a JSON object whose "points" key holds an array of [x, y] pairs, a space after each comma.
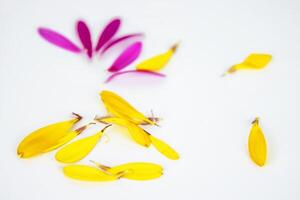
{"points": [[118, 40], [58, 40], [85, 37], [126, 57], [146, 72], [109, 31]]}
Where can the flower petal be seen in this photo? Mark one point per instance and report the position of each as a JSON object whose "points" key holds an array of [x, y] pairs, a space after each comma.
{"points": [[58, 40], [113, 42], [252, 62], [77, 150], [109, 31], [47, 138], [145, 72], [126, 57], [119, 107], [158, 62], [85, 37], [257, 144]]}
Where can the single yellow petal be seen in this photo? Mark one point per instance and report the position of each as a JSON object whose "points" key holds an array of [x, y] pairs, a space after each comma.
{"points": [[252, 62], [139, 135], [119, 107], [87, 173], [77, 150], [47, 138], [164, 148], [257, 144], [158, 62]]}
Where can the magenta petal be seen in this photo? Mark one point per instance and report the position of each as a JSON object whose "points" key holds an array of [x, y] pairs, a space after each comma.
{"points": [[58, 40], [85, 37], [118, 40], [126, 57], [109, 31], [146, 72]]}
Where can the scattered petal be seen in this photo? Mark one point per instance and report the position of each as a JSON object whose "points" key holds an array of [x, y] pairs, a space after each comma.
{"points": [[257, 144], [158, 62], [48, 138], [119, 107], [113, 42], [138, 134], [146, 72], [87, 173], [252, 62], [109, 31], [164, 148], [77, 150], [58, 40], [126, 57], [85, 37]]}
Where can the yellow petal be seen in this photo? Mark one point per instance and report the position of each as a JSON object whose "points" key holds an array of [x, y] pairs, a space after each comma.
{"points": [[158, 62], [77, 150], [139, 135], [135, 170], [87, 173], [164, 148], [47, 138], [257, 144], [252, 62], [119, 107]]}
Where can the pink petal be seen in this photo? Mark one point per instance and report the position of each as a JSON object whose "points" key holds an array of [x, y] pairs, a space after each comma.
{"points": [[118, 40], [109, 31], [126, 57], [58, 40], [85, 37], [146, 72]]}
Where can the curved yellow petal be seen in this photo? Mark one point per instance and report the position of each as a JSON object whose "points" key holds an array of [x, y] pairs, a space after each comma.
{"points": [[139, 135], [87, 173], [47, 138], [164, 148], [257, 144], [158, 62], [77, 150], [119, 107], [252, 62]]}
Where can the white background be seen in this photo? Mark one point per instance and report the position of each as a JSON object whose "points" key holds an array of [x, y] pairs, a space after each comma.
{"points": [[206, 118]]}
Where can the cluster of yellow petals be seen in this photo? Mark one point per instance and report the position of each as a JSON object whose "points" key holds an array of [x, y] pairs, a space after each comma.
{"points": [[122, 114]]}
